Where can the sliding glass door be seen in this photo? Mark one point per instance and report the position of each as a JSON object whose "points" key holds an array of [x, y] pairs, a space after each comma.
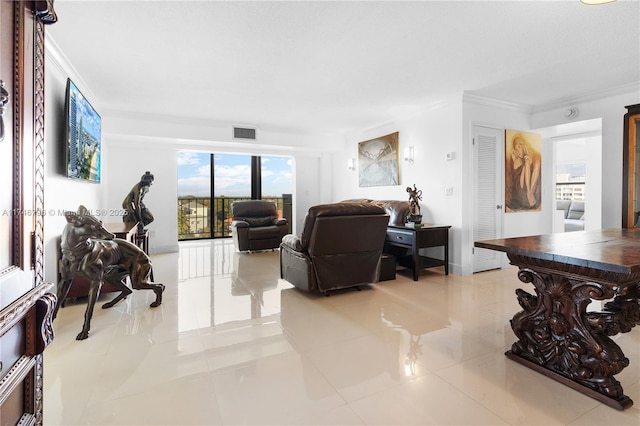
{"points": [[209, 182], [232, 177]]}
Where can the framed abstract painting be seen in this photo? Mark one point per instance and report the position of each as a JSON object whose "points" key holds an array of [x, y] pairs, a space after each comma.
{"points": [[378, 161]]}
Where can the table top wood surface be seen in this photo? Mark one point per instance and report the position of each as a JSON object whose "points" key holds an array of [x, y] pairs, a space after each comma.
{"points": [[423, 226], [120, 227], [613, 250]]}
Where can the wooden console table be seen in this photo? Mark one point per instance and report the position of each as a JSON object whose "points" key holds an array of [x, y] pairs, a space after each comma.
{"points": [[125, 230], [414, 239], [556, 335]]}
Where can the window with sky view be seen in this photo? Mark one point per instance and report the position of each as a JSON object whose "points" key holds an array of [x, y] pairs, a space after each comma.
{"points": [[231, 180]]}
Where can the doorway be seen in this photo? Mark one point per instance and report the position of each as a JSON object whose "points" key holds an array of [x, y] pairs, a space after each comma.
{"points": [[576, 171], [570, 177], [488, 149]]}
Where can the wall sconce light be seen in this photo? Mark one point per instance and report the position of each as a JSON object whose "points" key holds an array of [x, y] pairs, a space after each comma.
{"points": [[408, 154], [351, 164]]}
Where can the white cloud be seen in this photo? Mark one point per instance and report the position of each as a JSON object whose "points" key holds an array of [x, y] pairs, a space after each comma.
{"points": [[186, 158], [196, 186], [239, 171], [204, 171]]}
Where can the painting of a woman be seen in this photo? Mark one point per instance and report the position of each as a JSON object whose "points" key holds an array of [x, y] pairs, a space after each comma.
{"points": [[522, 171]]}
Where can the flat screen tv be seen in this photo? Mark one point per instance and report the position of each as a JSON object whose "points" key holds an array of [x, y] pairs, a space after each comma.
{"points": [[82, 135]]}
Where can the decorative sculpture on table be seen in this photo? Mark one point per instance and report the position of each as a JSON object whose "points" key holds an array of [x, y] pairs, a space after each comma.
{"points": [[136, 210], [415, 196], [90, 250]]}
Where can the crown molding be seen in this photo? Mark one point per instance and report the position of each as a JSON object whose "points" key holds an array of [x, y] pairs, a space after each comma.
{"points": [[55, 57], [496, 103], [558, 103], [589, 97]]}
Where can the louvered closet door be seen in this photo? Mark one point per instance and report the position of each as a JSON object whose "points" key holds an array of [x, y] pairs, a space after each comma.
{"points": [[488, 151]]}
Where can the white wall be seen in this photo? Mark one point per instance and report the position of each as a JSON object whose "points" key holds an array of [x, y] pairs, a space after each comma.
{"points": [[312, 185], [128, 162], [433, 133], [60, 192], [447, 128], [611, 110], [130, 156]]}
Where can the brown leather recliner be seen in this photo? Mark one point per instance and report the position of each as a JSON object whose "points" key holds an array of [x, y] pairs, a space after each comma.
{"points": [[256, 225], [339, 247]]}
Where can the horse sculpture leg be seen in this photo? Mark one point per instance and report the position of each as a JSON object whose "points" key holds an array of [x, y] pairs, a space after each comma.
{"points": [[140, 274], [63, 285], [116, 279], [94, 292]]}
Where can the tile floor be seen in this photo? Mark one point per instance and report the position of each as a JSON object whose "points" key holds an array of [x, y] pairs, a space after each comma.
{"points": [[232, 343]]}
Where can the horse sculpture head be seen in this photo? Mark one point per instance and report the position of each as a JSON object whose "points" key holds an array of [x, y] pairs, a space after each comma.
{"points": [[81, 228]]}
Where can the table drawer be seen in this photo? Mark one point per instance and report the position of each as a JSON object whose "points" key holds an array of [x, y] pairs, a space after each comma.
{"points": [[433, 238], [398, 236]]}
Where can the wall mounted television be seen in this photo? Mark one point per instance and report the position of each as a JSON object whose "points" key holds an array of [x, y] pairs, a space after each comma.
{"points": [[82, 135]]}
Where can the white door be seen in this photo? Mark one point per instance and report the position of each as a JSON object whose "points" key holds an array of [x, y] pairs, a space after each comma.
{"points": [[488, 148]]}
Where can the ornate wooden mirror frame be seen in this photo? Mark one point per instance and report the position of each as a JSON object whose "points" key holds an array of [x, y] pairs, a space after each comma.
{"points": [[631, 168]]}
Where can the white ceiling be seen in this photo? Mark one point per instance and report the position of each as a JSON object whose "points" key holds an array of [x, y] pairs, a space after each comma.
{"points": [[329, 67]]}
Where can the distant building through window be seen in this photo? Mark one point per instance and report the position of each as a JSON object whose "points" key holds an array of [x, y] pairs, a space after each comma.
{"points": [[570, 185], [571, 169]]}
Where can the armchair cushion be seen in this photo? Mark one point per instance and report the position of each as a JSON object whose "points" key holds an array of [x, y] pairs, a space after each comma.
{"points": [[260, 221]]}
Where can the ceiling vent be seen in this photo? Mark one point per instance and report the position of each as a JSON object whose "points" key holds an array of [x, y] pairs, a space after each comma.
{"points": [[244, 133]]}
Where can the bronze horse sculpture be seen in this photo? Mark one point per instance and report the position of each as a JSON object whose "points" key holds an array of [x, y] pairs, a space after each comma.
{"points": [[92, 251]]}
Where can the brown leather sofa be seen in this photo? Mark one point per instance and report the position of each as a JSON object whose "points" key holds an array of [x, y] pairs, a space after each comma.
{"points": [[339, 247], [256, 226], [397, 210]]}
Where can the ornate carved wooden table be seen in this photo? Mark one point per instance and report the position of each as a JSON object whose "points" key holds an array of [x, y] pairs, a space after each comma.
{"points": [[556, 335]]}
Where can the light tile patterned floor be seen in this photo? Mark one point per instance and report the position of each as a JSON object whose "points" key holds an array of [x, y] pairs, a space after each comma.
{"points": [[232, 343]]}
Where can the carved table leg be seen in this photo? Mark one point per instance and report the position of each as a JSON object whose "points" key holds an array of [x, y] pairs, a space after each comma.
{"points": [[559, 338]]}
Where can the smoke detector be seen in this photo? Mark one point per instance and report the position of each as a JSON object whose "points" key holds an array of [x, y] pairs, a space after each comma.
{"points": [[571, 113]]}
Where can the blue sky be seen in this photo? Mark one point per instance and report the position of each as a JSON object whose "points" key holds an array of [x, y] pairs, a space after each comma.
{"points": [[232, 175]]}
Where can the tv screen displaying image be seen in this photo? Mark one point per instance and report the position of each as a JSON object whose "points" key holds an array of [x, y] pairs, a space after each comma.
{"points": [[82, 135]]}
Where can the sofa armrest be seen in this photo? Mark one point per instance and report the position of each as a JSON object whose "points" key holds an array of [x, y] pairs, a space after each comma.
{"points": [[239, 224], [293, 242], [280, 221]]}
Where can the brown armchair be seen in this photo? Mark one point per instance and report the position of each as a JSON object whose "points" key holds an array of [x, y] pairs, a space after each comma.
{"points": [[339, 247], [256, 226]]}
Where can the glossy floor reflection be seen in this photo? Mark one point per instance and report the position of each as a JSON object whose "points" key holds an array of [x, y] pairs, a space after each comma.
{"points": [[232, 343]]}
